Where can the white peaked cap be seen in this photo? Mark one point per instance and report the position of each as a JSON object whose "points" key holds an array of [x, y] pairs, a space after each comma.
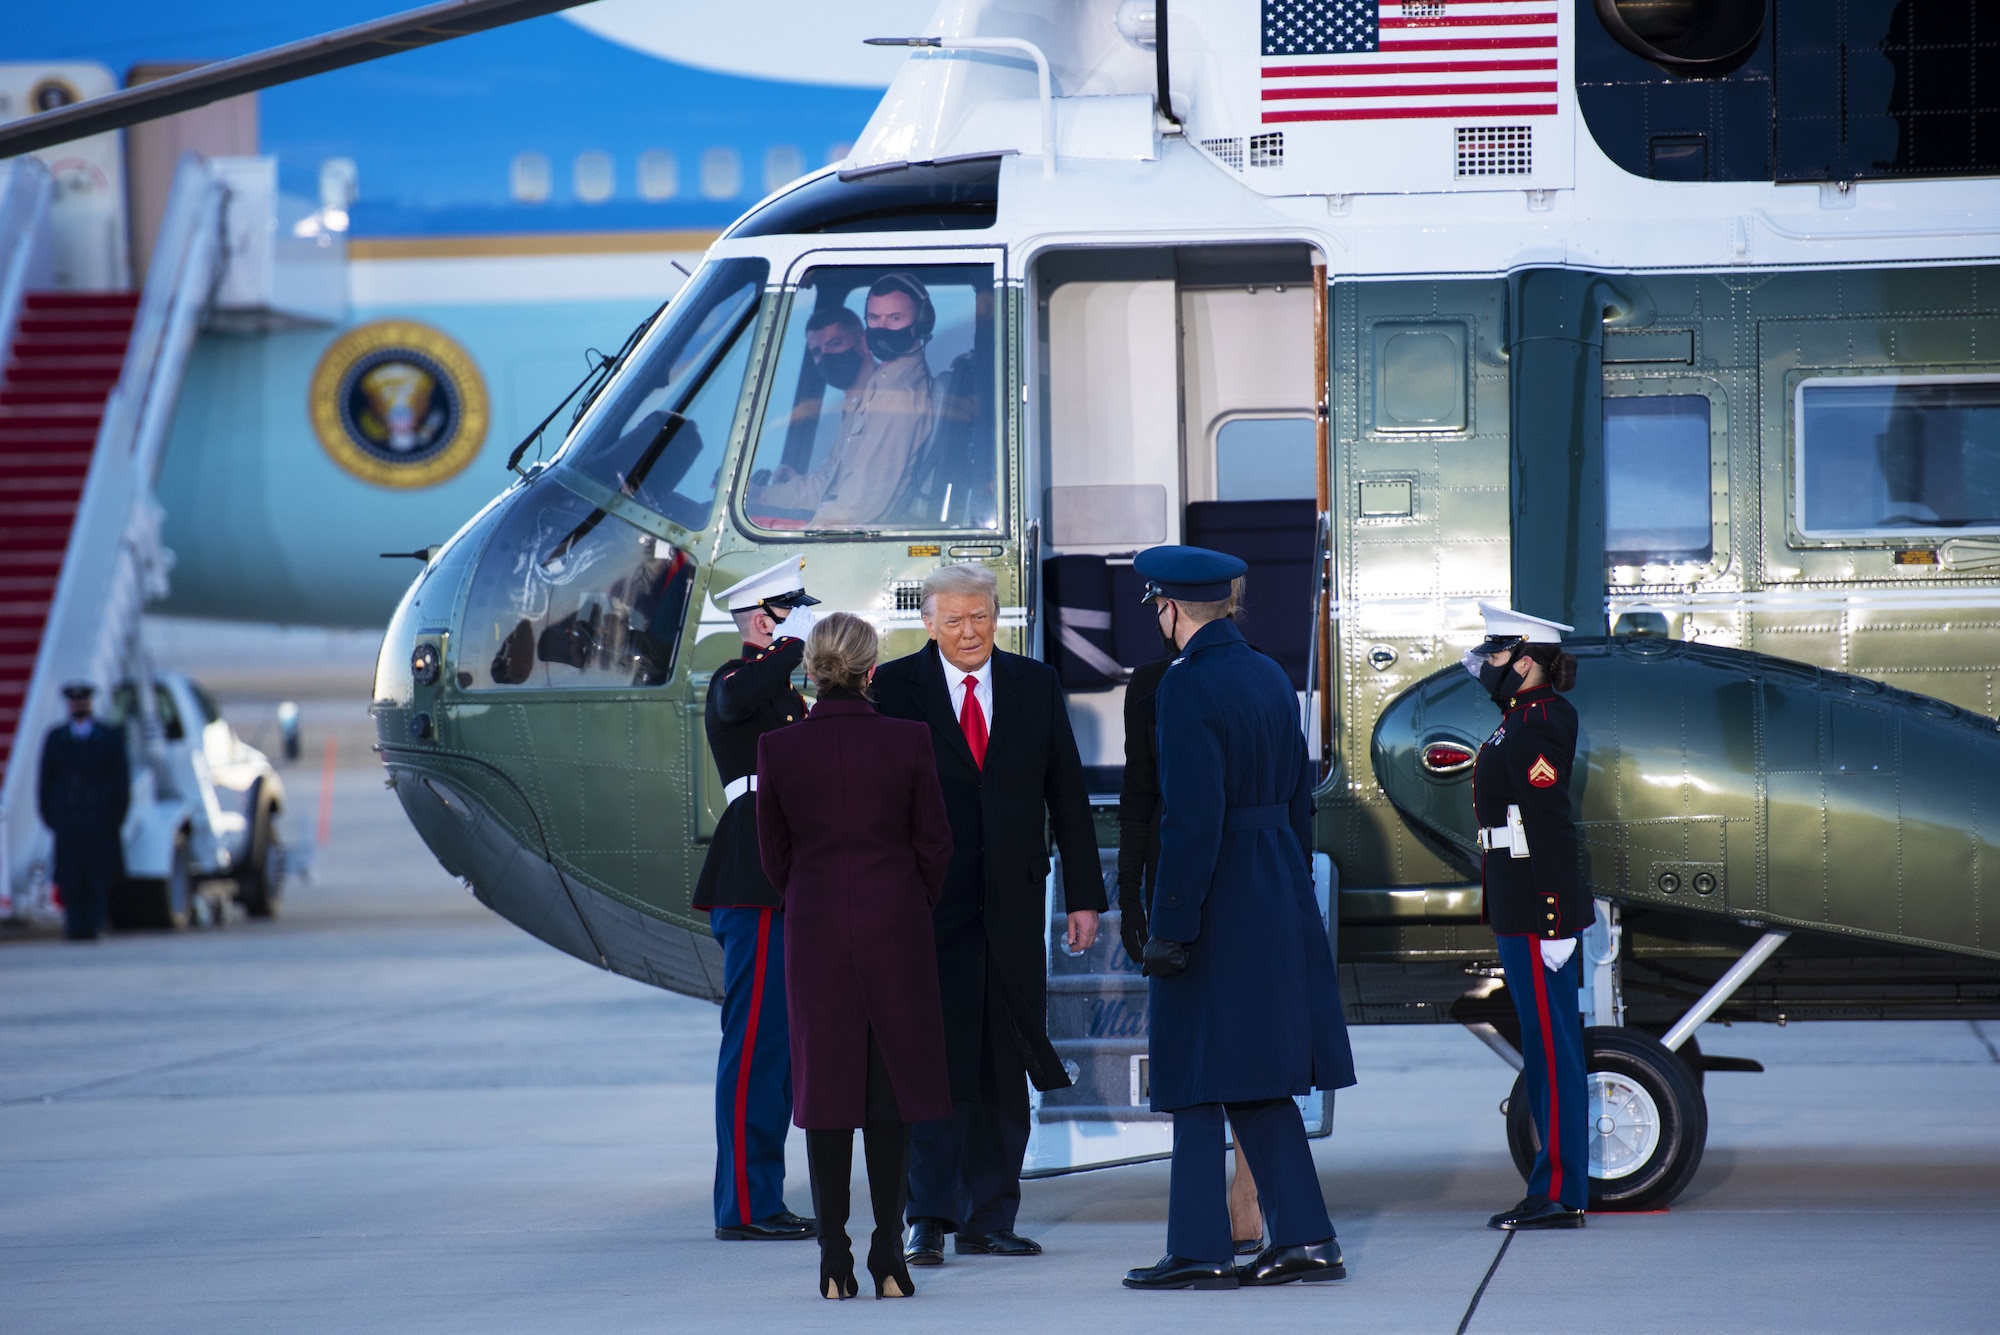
{"points": [[787, 578], [1504, 623]]}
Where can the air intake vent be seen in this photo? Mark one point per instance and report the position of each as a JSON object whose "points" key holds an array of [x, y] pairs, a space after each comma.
{"points": [[1496, 150], [1230, 151], [908, 594], [1267, 150]]}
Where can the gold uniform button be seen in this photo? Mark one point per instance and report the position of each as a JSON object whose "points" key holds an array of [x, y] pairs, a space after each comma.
{"points": [[1552, 917]]}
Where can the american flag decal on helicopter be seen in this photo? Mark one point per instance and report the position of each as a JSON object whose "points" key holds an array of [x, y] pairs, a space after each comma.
{"points": [[1408, 59]]}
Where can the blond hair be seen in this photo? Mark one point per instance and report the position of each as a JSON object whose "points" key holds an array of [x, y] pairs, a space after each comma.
{"points": [[1203, 613], [964, 579], [839, 651]]}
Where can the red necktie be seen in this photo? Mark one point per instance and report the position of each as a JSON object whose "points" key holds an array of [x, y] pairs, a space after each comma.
{"points": [[973, 719]]}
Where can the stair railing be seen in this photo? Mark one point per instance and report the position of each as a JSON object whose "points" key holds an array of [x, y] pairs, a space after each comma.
{"points": [[114, 563], [26, 191]]}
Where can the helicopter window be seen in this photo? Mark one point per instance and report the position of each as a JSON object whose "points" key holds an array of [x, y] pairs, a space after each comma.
{"points": [[919, 197], [882, 412], [1656, 480], [660, 435], [1882, 456], [567, 595], [1265, 459]]}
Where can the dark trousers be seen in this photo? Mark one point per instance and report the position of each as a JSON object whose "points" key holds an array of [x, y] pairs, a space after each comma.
{"points": [[885, 1142], [1552, 1070], [1273, 1137], [965, 1170], [85, 891], [753, 1070]]}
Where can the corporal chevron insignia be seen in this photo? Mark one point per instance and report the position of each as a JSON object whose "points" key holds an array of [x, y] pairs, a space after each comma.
{"points": [[1542, 774]]}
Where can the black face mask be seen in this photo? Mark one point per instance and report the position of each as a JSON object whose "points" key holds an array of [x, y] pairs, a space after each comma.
{"points": [[889, 344], [1499, 680], [840, 369]]}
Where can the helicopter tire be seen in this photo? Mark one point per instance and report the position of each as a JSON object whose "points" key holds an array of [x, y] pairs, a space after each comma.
{"points": [[1649, 1116], [159, 904], [261, 886]]}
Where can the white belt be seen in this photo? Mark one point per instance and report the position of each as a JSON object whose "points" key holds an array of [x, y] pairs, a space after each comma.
{"points": [[1511, 836], [735, 788]]}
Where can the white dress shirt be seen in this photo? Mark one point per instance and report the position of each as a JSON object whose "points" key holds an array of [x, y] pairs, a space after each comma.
{"points": [[954, 680]]}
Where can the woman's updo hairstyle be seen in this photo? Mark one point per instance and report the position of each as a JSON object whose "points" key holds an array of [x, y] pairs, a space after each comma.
{"points": [[839, 651], [1557, 662]]}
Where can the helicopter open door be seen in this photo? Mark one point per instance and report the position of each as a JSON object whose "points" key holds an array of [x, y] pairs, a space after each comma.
{"points": [[1171, 397]]}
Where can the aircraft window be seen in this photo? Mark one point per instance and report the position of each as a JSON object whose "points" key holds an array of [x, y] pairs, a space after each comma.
{"points": [[1656, 480], [660, 435], [1265, 459], [1891, 457], [568, 596], [882, 411]]}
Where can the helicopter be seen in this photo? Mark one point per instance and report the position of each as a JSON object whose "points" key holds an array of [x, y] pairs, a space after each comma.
{"points": [[1673, 323]]}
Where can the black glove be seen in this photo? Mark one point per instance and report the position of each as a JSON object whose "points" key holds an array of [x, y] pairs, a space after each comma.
{"points": [[1163, 958], [1132, 926]]}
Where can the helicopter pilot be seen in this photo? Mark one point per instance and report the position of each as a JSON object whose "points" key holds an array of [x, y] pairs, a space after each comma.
{"points": [[748, 697], [1233, 929], [1534, 895]]}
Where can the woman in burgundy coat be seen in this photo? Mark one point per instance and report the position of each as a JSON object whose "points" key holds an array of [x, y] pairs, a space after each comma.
{"points": [[854, 836]]}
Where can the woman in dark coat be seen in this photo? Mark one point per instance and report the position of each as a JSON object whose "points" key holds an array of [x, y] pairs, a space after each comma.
{"points": [[854, 836]]}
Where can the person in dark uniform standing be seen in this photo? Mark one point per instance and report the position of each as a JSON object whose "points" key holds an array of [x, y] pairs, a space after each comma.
{"points": [[748, 697], [1534, 895], [1138, 856], [86, 786], [1244, 1010]]}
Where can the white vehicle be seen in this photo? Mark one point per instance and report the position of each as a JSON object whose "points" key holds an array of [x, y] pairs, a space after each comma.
{"points": [[204, 814]]}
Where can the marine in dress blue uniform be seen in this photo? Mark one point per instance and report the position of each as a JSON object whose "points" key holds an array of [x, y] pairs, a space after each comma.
{"points": [[1244, 1008], [1535, 900], [747, 697]]}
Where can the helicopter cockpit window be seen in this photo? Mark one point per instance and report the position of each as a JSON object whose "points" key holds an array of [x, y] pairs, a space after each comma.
{"points": [[1890, 457], [567, 595], [1657, 504], [882, 412], [660, 436]]}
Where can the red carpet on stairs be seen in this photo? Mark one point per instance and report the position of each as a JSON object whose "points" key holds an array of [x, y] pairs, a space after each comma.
{"points": [[64, 360]]}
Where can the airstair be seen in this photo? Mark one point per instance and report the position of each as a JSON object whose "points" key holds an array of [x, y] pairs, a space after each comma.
{"points": [[90, 381]]}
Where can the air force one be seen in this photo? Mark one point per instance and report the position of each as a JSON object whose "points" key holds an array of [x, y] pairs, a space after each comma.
{"points": [[424, 248]]}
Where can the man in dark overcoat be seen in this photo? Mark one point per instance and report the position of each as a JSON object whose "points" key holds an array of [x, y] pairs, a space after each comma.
{"points": [[749, 696], [86, 786], [1244, 1008], [1010, 771]]}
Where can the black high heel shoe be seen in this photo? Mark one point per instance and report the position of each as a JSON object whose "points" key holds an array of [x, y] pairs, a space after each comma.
{"points": [[891, 1273], [836, 1274]]}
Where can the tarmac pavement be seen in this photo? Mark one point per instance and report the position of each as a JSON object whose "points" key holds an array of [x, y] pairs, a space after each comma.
{"points": [[391, 1111]]}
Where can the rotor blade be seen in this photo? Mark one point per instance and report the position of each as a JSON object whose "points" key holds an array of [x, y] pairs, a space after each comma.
{"points": [[262, 69]]}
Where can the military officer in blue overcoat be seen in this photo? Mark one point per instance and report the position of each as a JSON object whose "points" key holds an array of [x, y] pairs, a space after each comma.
{"points": [[1535, 897], [1244, 1006], [747, 697]]}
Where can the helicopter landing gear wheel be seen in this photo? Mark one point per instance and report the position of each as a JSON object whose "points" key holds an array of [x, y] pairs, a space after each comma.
{"points": [[1648, 1121]]}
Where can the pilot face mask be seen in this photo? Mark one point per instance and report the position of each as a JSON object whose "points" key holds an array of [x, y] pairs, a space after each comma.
{"points": [[889, 344], [840, 369]]}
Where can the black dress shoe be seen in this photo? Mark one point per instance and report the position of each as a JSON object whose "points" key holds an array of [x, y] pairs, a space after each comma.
{"points": [[1536, 1212], [1177, 1272], [781, 1227], [1306, 1262], [1001, 1242], [925, 1243]]}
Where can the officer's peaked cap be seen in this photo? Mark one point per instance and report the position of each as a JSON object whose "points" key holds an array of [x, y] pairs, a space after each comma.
{"points": [[78, 690], [783, 585], [1189, 574], [1506, 628]]}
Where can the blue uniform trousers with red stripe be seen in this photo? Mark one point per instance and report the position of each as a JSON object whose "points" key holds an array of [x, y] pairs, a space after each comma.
{"points": [[753, 1073], [1552, 1072]]}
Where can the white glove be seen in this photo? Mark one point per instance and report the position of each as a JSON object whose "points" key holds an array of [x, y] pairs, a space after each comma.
{"points": [[1555, 954], [797, 624]]}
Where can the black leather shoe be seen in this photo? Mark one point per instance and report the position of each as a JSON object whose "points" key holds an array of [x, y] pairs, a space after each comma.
{"points": [[925, 1243], [1536, 1212], [1003, 1242], [1306, 1262], [781, 1227], [1175, 1272]]}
